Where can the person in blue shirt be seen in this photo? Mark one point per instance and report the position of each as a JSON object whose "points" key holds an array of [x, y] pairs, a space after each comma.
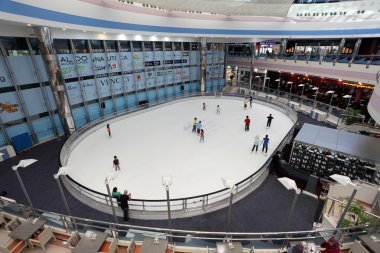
{"points": [[199, 127], [265, 143]]}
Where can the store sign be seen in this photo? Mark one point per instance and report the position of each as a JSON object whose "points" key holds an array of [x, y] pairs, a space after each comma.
{"points": [[10, 108]]}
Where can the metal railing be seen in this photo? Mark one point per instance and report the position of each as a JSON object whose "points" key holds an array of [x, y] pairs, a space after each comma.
{"points": [[199, 203]]}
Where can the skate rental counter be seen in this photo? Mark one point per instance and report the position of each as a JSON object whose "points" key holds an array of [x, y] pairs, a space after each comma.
{"points": [[323, 151]]}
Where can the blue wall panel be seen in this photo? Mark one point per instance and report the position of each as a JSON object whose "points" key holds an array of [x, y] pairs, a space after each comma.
{"points": [[17, 129], [141, 96], [131, 101], [170, 91], [120, 103], [43, 128], [94, 111], [79, 115], [194, 87], [58, 123], [178, 90], [2, 140], [109, 107], [152, 95], [161, 93], [208, 85], [187, 89]]}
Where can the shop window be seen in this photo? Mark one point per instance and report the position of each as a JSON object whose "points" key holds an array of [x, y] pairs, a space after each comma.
{"points": [[125, 46], [80, 46], [111, 46], [194, 46], [158, 45], [15, 46], [186, 46], [177, 46], [97, 46], [137, 46], [148, 45], [168, 46]]}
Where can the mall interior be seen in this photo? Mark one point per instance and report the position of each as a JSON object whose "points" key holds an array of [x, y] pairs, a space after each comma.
{"points": [[72, 72]]}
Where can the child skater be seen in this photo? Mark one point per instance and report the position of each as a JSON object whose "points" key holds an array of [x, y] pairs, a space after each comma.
{"points": [[204, 106], [247, 121], [116, 163], [217, 109], [202, 139], [256, 143], [109, 130], [195, 123], [199, 127], [265, 143]]}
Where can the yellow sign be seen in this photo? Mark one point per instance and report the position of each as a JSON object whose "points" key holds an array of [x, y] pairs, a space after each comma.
{"points": [[8, 108]]}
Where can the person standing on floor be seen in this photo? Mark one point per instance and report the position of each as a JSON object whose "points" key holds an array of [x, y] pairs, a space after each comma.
{"points": [[245, 103], [116, 163], [124, 198], [217, 109], [204, 106], [202, 139], [109, 130], [256, 143], [195, 123], [250, 101], [116, 195], [265, 143], [269, 121], [199, 127], [247, 121]]}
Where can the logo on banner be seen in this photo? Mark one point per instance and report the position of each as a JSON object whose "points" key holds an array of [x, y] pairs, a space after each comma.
{"points": [[138, 77], [10, 108], [65, 60], [113, 81], [2, 79], [136, 56]]}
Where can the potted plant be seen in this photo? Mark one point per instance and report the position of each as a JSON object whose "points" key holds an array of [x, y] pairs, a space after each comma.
{"points": [[356, 216]]}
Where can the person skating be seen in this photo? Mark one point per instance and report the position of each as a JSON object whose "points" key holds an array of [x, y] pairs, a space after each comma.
{"points": [[247, 121], [202, 139], [116, 163], [199, 127], [245, 103], [109, 130], [124, 198], [256, 143], [204, 107], [265, 143], [217, 109], [269, 121], [195, 123], [250, 101]]}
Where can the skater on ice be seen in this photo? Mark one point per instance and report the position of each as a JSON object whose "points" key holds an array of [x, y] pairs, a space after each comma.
{"points": [[116, 163], [269, 122], [204, 106], [265, 143], [199, 127], [217, 109], [250, 101], [247, 121], [202, 139], [195, 123], [245, 103], [256, 143], [109, 130]]}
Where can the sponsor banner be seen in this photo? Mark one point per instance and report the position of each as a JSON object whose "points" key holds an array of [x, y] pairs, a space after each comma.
{"points": [[100, 63], [117, 86], [195, 57], [89, 88], [35, 101], [160, 77], [140, 80], [169, 76], [23, 69], [129, 82], [159, 58], [177, 75], [208, 71], [138, 60], [215, 71], [221, 71], [66, 62], [215, 57], [74, 93], [10, 109], [168, 58], [221, 56], [185, 58], [150, 78], [5, 80], [113, 62], [194, 73], [126, 61], [177, 58], [209, 57], [104, 86], [186, 74]]}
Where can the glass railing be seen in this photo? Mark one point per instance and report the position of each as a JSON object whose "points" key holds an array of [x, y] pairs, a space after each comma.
{"points": [[194, 240], [183, 205]]}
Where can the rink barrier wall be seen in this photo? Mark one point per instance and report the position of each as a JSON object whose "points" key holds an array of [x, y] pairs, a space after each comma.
{"points": [[180, 207]]}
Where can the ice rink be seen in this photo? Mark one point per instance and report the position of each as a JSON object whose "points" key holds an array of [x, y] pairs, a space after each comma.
{"points": [[160, 143]]}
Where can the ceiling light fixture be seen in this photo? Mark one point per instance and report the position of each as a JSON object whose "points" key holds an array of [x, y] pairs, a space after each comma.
{"points": [[29, 25], [63, 29]]}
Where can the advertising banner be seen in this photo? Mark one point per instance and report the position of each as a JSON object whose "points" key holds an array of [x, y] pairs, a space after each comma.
{"points": [[90, 89], [169, 76], [177, 58], [178, 75], [221, 71], [138, 60], [5, 80], [159, 58], [195, 58], [10, 109], [160, 77], [149, 59], [66, 61], [140, 80], [104, 86], [209, 58], [215, 57], [35, 102], [150, 78], [168, 58], [23, 69], [126, 61], [194, 73], [208, 71], [129, 82], [186, 58], [186, 74], [113, 62], [74, 93], [215, 71], [221, 56], [100, 64], [117, 85]]}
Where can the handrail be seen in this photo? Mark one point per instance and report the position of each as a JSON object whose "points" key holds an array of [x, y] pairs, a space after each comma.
{"points": [[66, 149]]}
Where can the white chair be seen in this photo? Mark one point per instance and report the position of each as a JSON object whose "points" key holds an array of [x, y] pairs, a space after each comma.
{"points": [[132, 246], [74, 239], [13, 224], [113, 246], [43, 238]]}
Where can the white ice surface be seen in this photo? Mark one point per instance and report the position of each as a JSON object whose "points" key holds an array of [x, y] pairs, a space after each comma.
{"points": [[160, 143]]}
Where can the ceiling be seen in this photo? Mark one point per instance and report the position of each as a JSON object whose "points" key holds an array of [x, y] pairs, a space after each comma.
{"points": [[277, 8]]}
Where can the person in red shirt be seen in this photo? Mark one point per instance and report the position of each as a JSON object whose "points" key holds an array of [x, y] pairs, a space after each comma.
{"points": [[116, 163], [109, 130], [202, 139], [247, 121], [331, 246]]}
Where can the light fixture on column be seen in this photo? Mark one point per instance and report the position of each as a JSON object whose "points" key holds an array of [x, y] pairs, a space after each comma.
{"points": [[349, 100], [290, 184], [23, 164], [63, 172], [229, 184], [167, 182], [110, 177], [345, 181]]}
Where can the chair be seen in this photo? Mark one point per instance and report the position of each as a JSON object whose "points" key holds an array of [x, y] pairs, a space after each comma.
{"points": [[132, 246], [12, 225], [13, 246], [113, 246], [74, 239], [43, 238], [2, 220]]}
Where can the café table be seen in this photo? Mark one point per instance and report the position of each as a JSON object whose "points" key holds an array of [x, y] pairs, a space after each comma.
{"points": [[150, 245], [27, 229], [90, 244], [224, 247]]}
